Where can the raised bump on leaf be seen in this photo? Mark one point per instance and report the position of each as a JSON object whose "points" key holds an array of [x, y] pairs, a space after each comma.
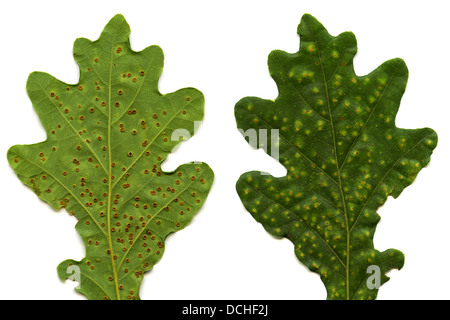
{"points": [[343, 154], [107, 136]]}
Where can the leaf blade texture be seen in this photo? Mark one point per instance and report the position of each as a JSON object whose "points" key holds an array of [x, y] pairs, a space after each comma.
{"points": [[343, 154], [107, 136]]}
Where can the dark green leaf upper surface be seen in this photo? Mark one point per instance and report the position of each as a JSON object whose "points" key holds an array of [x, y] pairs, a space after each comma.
{"points": [[343, 154], [106, 139]]}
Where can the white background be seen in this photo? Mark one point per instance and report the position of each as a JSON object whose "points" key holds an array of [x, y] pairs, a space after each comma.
{"points": [[221, 48]]}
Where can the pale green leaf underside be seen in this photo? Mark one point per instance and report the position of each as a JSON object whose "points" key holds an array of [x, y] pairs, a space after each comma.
{"points": [[343, 153], [106, 139]]}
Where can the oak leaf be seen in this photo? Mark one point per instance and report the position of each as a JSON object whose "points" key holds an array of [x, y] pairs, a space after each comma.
{"points": [[344, 156], [107, 136]]}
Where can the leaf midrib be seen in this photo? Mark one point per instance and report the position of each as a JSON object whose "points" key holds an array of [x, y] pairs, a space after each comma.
{"points": [[112, 186], [347, 250], [340, 167], [116, 283]]}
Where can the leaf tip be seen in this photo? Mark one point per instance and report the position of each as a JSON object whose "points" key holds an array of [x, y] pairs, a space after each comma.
{"points": [[308, 17], [401, 64], [117, 28], [11, 157], [79, 46], [308, 22]]}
